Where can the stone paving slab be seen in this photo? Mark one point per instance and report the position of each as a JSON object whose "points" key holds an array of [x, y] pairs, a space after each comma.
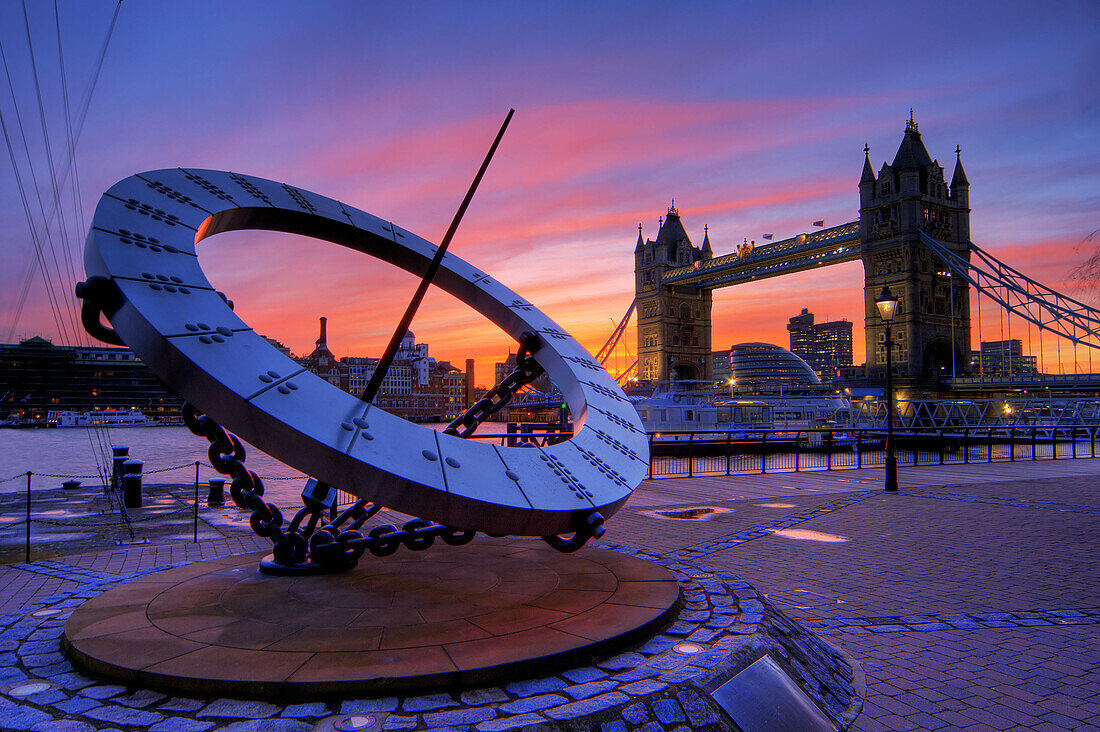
{"points": [[910, 583]]}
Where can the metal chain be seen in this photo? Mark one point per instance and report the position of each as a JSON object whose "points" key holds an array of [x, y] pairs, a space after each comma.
{"points": [[92, 477], [331, 545], [227, 456], [527, 370]]}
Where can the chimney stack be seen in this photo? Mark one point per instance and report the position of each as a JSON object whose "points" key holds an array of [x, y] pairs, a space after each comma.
{"points": [[322, 339], [470, 391]]}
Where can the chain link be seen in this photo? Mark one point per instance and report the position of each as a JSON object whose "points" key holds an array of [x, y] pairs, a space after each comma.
{"points": [[527, 370], [227, 454], [333, 545], [95, 477]]}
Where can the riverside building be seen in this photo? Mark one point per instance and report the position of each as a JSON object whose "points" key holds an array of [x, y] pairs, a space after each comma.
{"points": [[37, 377], [416, 386]]}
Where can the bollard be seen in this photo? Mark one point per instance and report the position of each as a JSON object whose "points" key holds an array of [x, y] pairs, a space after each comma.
{"points": [[119, 455], [216, 495], [131, 483]]}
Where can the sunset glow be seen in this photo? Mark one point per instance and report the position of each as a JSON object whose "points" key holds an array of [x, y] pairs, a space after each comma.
{"points": [[752, 117]]}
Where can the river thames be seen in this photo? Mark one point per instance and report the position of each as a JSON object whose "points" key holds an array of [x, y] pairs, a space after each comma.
{"points": [[50, 453]]}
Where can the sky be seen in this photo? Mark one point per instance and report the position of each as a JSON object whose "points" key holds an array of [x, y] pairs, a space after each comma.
{"points": [[753, 116]]}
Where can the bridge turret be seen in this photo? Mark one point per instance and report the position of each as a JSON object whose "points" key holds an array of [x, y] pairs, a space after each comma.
{"points": [[867, 180], [960, 194], [932, 328], [960, 186], [867, 183], [673, 321], [708, 252]]}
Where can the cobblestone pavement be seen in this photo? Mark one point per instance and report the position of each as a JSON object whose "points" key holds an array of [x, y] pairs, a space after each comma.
{"points": [[970, 598]]}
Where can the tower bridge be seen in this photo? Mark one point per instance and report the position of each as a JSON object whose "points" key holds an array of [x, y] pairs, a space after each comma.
{"points": [[805, 251], [912, 235]]}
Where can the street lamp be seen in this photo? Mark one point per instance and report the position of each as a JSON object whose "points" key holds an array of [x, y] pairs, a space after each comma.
{"points": [[887, 306]]}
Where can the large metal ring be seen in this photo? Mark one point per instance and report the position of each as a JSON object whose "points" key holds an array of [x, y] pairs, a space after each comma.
{"points": [[143, 238]]}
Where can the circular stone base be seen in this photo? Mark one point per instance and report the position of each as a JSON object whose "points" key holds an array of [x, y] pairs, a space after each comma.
{"points": [[445, 617], [268, 565]]}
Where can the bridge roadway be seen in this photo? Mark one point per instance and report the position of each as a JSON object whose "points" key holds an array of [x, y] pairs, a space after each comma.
{"points": [[969, 597], [805, 251]]}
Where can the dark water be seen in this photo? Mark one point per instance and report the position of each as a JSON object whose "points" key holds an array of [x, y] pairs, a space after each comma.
{"points": [[78, 451]]}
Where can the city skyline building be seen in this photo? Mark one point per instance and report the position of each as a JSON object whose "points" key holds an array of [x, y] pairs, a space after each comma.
{"points": [[825, 346], [1002, 358], [37, 377], [416, 386], [720, 367]]}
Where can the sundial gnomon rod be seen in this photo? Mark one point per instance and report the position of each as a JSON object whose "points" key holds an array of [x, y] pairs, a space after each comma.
{"points": [[386, 361]]}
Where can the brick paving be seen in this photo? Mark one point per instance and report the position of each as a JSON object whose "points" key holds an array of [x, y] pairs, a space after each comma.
{"points": [[970, 598], [971, 604]]}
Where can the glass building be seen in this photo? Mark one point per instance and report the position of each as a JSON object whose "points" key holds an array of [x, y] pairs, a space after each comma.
{"points": [[760, 367]]}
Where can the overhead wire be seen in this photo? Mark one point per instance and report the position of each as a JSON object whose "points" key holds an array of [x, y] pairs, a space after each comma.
{"points": [[52, 178], [61, 277], [35, 241], [85, 105], [71, 152]]}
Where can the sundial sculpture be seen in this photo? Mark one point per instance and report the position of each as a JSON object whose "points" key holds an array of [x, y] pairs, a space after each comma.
{"points": [[144, 277]]}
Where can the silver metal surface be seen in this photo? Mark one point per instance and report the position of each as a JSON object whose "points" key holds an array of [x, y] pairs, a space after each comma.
{"points": [[144, 238]]}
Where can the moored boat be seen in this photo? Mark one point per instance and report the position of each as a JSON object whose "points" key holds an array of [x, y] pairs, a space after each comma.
{"points": [[103, 418]]}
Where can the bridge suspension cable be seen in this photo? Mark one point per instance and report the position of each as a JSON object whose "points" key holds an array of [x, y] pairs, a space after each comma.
{"points": [[607, 348], [630, 373], [1022, 296]]}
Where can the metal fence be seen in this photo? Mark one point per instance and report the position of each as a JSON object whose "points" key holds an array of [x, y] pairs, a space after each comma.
{"points": [[694, 454], [687, 454]]}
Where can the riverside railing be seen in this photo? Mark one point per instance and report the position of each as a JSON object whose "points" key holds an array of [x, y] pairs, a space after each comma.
{"points": [[740, 452], [673, 455]]}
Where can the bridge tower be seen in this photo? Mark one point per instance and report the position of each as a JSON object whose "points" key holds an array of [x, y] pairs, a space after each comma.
{"points": [[933, 317], [673, 321]]}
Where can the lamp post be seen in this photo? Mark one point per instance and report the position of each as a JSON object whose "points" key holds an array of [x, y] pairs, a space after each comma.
{"points": [[887, 306]]}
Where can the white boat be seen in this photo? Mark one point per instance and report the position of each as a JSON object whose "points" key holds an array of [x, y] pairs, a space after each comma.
{"points": [[693, 410], [695, 407], [104, 418]]}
